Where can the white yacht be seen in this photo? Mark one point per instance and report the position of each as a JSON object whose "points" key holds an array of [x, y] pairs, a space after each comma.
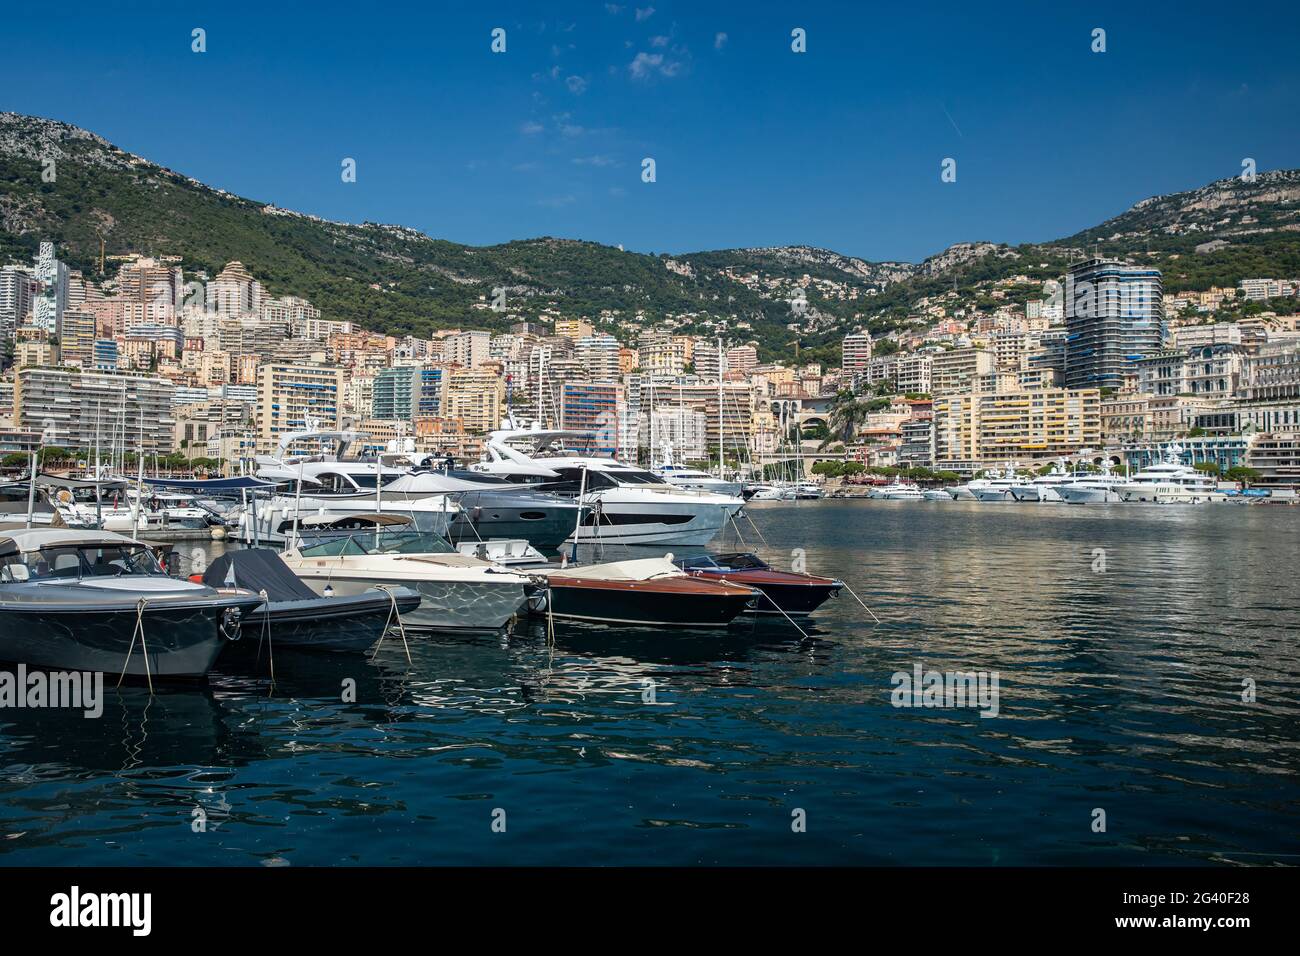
{"points": [[1169, 481], [684, 476], [620, 503], [899, 491], [1042, 487], [995, 489], [1091, 489], [457, 591], [773, 492]]}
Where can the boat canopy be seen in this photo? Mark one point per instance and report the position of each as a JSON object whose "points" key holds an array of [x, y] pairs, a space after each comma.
{"points": [[257, 569], [238, 483], [59, 481]]}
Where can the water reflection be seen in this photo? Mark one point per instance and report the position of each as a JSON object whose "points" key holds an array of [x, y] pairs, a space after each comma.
{"points": [[1119, 688]]}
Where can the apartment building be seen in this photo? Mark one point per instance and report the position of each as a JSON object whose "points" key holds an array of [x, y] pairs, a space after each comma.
{"points": [[75, 408], [295, 397], [974, 430]]}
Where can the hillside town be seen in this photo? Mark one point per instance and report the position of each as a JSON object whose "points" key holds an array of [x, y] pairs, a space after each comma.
{"points": [[202, 371]]}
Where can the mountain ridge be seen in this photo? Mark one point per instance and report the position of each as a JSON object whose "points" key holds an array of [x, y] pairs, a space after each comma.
{"points": [[398, 279]]}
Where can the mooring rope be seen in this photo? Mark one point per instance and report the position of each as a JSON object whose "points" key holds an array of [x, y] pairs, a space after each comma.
{"points": [[860, 601], [266, 636], [144, 648]]}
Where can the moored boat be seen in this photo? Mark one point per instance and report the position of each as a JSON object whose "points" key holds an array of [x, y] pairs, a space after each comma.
{"points": [[647, 591], [791, 592], [99, 601], [294, 615]]}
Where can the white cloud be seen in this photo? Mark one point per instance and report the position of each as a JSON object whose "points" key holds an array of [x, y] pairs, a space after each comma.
{"points": [[530, 128], [555, 202], [719, 41], [659, 41], [593, 160], [644, 14], [576, 84], [644, 65]]}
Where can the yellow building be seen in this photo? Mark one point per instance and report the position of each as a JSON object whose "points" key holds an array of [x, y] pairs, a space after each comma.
{"points": [[975, 430], [289, 397], [475, 396]]}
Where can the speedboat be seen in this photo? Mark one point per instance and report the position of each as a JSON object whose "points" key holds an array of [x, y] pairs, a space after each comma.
{"points": [[620, 503], [83, 601], [652, 592], [294, 615], [458, 592], [899, 491], [790, 592]]}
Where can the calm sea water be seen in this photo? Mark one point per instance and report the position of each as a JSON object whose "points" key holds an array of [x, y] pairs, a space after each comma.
{"points": [[1120, 690]]}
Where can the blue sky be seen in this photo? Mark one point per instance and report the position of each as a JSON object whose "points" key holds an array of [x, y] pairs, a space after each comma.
{"points": [[838, 147]]}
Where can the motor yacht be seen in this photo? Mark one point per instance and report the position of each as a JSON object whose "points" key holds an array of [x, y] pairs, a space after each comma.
{"points": [[620, 503], [783, 592], [684, 476], [898, 490], [1169, 481], [100, 601]]}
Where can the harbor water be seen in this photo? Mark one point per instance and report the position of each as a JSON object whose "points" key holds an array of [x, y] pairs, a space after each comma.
{"points": [[1146, 661]]}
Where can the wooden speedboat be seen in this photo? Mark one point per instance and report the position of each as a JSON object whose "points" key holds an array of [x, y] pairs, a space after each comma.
{"points": [[648, 592], [789, 591]]}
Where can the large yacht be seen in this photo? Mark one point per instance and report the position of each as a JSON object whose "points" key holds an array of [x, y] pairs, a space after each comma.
{"points": [[463, 506], [1171, 482], [620, 503], [899, 491], [994, 489]]}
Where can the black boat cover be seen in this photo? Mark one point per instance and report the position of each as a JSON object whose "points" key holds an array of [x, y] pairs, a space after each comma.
{"points": [[258, 569]]}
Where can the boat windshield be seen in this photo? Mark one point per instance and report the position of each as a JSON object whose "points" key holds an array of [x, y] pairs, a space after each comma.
{"points": [[380, 542], [82, 561]]}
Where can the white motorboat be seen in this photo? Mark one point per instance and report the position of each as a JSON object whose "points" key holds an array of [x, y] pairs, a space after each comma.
{"points": [[457, 591], [937, 494], [620, 503], [899, 491]]}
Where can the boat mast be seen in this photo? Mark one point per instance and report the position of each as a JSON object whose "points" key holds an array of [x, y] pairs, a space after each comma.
{"points": [[719, 407]]}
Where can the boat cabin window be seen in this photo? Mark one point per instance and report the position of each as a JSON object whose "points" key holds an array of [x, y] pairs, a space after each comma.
{"points": [[83, 561], [631, 476]]}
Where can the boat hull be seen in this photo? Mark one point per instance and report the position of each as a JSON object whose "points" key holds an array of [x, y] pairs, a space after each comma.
{"points": [[671, 602], [444, 605], [542, 520], [183, 640], [340, 623], [780, 592]]}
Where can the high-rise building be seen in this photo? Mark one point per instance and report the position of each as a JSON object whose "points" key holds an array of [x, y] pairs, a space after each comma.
{"points": [[17, 286], [594, 407], [855, 353], [470, 349], [51, 296], [598, 355], [474, 396], [1114, 317], [234, 291]]}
